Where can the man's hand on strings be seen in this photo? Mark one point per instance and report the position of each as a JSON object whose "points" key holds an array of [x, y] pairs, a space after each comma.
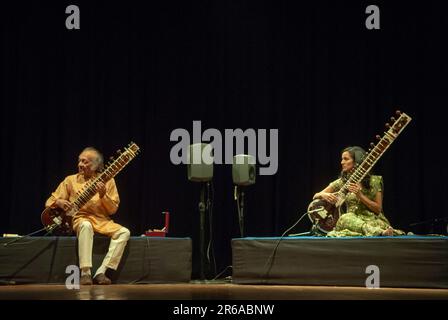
{"points": [[101, 189], [64, 204]]}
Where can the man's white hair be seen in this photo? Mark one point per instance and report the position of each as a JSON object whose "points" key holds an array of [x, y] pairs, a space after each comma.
{"points": [[99, 161]]}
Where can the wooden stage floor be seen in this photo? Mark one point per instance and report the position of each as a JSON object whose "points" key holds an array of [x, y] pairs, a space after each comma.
{"points": [[214, 291]]}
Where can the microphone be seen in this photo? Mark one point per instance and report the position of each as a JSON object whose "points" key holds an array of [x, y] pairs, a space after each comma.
{"points": [[321, 212], [317, 210]]}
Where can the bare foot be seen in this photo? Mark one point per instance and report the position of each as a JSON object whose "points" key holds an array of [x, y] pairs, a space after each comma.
{"points": [[388, 232]]}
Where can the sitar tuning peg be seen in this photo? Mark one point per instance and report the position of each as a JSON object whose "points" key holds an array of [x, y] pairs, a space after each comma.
{"points": [[378, 137], [119, 151], [387, 125], [398, 112], [372, 145], [392, 119]]}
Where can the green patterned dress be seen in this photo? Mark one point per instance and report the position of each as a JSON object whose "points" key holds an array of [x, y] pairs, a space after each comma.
{"points": [[359, 220]]}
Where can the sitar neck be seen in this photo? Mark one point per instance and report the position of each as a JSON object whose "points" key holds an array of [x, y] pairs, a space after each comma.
{"points": [[111, 170], [376, 151]]}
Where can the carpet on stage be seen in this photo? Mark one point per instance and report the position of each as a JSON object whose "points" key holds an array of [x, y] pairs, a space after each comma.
{"points": [[145, 260], [406, 261]]}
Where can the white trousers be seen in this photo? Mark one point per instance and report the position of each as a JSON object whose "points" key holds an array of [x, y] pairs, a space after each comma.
{"points": [[116, 247]]}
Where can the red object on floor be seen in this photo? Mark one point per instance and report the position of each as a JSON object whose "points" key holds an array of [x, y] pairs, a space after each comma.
{"points": [[164, 231]]}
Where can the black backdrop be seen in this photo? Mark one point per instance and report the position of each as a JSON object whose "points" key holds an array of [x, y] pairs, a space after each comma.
{"points": [[137, 72]]}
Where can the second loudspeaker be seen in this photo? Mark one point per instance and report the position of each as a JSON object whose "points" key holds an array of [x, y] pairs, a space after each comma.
{"points": [[243, 170]]}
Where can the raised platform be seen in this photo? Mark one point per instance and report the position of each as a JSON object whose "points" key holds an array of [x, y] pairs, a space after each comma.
{"points": [[403, 262], [145, 260]]}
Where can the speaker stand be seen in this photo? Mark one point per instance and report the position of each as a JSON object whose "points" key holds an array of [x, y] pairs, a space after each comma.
{"points": [[204, 205], [239, 194], [202, 232]]}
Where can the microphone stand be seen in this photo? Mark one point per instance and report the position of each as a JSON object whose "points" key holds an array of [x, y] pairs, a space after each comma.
{"points": [[313, 231], [270, 261], [49, 230], [431, 222]]}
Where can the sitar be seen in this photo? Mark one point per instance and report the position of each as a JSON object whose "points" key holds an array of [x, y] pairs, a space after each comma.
{"points": [[323, 214], [58, 221]]}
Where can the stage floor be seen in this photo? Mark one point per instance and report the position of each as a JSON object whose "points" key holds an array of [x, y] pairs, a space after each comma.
{"points": [[214, 291]]}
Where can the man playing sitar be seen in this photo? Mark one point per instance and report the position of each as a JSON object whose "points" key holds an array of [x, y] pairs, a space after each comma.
{"points": [[87, 200]]}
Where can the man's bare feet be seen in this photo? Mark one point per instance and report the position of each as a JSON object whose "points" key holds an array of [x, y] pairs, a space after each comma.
{"points": [[388, 232]]}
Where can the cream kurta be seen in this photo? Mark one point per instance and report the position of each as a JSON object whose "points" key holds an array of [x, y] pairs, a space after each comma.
{"points": [[97, 211]]}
